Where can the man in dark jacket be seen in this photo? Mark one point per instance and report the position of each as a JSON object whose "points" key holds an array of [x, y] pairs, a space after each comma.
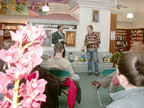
{"points": [[59, 37]]}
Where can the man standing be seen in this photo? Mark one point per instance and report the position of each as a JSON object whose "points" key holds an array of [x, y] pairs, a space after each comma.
{"points": [[92, 41], [59, 37]]}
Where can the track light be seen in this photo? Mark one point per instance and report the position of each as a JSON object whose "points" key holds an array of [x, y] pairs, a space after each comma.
{"points": [[130, 15], [45, 8]]}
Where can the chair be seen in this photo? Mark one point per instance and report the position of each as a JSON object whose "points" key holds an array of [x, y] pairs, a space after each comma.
{"points": [[61, 74], [103, 74]]}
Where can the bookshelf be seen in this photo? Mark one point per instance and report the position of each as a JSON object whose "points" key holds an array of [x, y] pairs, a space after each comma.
{"points": [[137, 35], [7, 27], [122, 39], [125, 38]]}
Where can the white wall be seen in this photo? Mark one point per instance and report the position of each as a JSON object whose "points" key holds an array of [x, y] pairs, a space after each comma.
{"points": [[139, 20], [125, 25], [103, 26]]}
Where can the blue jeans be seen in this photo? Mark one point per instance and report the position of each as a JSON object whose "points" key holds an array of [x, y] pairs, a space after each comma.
{"points": [[92, 55]]}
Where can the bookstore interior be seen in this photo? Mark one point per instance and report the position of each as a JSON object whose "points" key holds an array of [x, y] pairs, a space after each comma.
{"points": [[118, 23]]}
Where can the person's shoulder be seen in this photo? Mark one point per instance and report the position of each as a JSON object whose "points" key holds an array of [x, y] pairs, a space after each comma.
{"points": [[55, 32], [114, 104], [50, 60], [65, 61]]}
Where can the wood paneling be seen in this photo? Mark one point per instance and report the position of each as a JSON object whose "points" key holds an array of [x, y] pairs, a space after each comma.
{"points": [[113, 28]]}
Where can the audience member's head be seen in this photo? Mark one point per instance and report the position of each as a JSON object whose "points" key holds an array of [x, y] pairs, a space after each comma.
{"points": [[90, 28], [137, 47], [131, 70], [7, 44], [58, 48], [60, 28]]}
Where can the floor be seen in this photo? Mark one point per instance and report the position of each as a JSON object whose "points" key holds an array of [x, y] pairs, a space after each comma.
{"points": [[89, 94]]}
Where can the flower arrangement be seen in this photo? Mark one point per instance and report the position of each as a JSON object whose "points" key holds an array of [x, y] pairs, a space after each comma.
{"points": [[19, 60]]}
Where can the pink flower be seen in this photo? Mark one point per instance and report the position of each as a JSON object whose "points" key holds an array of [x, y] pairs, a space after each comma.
{"points": [[32, 91], [34, 33], [4, 104], [28, 34], [21, 59], [11, 55], [4, 81], [20, 35], [17, 72]]}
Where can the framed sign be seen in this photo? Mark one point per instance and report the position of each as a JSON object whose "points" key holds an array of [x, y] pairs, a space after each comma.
{"points": [[95, 16], [70, 38], [47, 38]]}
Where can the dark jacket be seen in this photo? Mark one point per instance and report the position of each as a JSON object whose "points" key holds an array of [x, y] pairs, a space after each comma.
{"points": [[52, 89], [56, 36]]}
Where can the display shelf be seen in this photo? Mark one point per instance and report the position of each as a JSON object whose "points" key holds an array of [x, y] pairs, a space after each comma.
{"points": [[7, 27], [137, 35], [122, 39], [125, 38]]}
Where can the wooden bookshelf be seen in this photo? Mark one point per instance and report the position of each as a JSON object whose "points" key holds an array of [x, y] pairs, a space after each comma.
{"points": [[7, 27], [122, 39], [137, 35], [125, 38]]}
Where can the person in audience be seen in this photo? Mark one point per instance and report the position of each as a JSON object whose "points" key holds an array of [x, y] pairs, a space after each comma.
{"points": [[107, 81], [58, 61], [59, 37], [52, 89], [130, 73], [92, 41]]}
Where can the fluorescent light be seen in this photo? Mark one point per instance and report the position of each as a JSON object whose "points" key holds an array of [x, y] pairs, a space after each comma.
{"points": [[130, 15], [45, 8]]}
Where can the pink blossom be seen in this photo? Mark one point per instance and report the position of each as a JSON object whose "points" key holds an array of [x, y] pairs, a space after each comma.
{"points": [[4, 81], [22, 58], [35, 33], [32, 91], [18, 72], [20, 35], [4, 104], [11, 55]]}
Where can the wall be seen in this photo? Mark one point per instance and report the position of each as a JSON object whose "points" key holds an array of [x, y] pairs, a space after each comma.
{"points": [[85, 18], [139, 15], [125, 25], [139, 20]]}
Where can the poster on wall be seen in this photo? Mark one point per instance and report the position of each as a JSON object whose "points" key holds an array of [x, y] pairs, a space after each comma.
{"points": [[70, 38], [25, 7], [95, 16], [47, 38], [113, 35]]}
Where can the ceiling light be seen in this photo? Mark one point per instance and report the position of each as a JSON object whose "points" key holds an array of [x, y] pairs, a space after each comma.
{"points": [[130, 15], [45, 8]]}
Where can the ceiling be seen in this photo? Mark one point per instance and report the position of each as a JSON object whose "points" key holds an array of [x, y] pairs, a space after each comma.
{"points": [[131, 0]]}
